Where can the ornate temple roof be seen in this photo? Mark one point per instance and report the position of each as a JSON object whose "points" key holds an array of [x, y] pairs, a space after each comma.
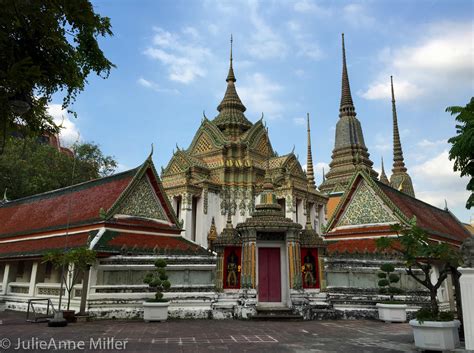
{"points": [[350, 153], [383, 206], [126, 212], [49, 210], [231, 119], [400, 179]]}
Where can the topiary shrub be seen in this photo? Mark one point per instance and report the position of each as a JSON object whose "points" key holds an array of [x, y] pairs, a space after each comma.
{"points": [[158, 281], [387, 278]]}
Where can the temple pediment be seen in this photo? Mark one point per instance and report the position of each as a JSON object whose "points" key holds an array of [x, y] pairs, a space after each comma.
{"points": [[365, 207]]}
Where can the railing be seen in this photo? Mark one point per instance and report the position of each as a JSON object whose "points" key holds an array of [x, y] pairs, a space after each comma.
{"points": [[35, 312], [19, 288]]}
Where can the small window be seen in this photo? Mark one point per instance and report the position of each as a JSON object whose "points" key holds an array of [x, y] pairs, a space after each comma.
{"points": [[48, 270], [20, 269]]}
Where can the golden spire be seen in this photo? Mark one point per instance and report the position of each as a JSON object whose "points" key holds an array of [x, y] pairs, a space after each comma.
{"points": [[230, 75], [383, 176], [231, 118], [309, 160], [398, 161], [212, 235], [347, 105]]}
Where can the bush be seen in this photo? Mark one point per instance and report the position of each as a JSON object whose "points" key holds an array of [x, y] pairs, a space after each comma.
{"points": [[427, 314], [387, 279], [158, 281]]}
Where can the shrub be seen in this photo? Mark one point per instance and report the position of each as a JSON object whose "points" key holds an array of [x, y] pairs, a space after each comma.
{"points": [[158, 280], [387, 278]]}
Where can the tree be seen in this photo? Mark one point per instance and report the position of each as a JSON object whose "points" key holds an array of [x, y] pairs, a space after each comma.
{"points": [[462, 150], [92, 160], [419, 252], [45, 47], [29, 167], [73, 264]]}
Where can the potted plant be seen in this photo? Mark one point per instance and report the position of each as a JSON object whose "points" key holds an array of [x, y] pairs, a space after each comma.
{"points": [[156, 309], [390, 310], [73, 264], [432, 329]]}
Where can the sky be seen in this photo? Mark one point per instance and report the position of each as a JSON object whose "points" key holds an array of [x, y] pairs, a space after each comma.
{"points": [[172, 59]]}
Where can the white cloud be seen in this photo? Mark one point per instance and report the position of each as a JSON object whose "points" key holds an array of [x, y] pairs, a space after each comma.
{"points": [[438, 63], [213, 29], [425, 143], [155, 86], [435, 181], [382, 144], [357, 15], [260, 94], [305, 44], [310, 7], [182, 54], [404, 91], [69, 132], [264, 43]]}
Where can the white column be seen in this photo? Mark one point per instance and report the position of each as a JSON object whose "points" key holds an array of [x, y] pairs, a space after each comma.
{"points": [[467, 294], [187, 214], [34, 272], [6, 274]]}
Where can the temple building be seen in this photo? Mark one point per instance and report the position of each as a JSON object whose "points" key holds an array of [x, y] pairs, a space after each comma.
{"points": [[127, 219], [363, 207], [223, 169], [245, 231]]}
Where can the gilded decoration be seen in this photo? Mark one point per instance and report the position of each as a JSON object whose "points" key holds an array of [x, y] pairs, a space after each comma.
{"points": [[365, 208], [142, 202]]}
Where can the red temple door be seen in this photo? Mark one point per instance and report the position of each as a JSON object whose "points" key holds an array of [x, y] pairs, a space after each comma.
{"points": [[269, 275]]}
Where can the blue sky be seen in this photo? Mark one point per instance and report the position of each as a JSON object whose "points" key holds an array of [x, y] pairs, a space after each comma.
{"points": [[172, 60]]}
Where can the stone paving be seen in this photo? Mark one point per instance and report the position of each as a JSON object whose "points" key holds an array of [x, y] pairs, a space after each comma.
{"points": [[204, 336]]}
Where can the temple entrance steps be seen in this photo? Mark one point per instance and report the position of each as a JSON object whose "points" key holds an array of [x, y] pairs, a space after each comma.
{"points": [[276, 314]]}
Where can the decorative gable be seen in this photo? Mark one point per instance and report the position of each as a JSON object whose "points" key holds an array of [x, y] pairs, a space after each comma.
{"points": [[142, 202], [294, 167], [203, 144], [365, 207]]}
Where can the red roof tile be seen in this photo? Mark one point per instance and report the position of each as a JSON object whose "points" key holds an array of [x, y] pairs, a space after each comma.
{"points": [[352, 246], [434, 220], [41, 246], [50, 210], [149, 241]]}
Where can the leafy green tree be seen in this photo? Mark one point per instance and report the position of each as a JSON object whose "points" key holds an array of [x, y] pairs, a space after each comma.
{"points": [[462, 150], [75, 263], [46, 46], [92, 160], [419, 252], [28, 167]]}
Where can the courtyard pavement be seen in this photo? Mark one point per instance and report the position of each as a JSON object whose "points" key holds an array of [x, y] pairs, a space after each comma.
{"points": [[16, 335]]}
